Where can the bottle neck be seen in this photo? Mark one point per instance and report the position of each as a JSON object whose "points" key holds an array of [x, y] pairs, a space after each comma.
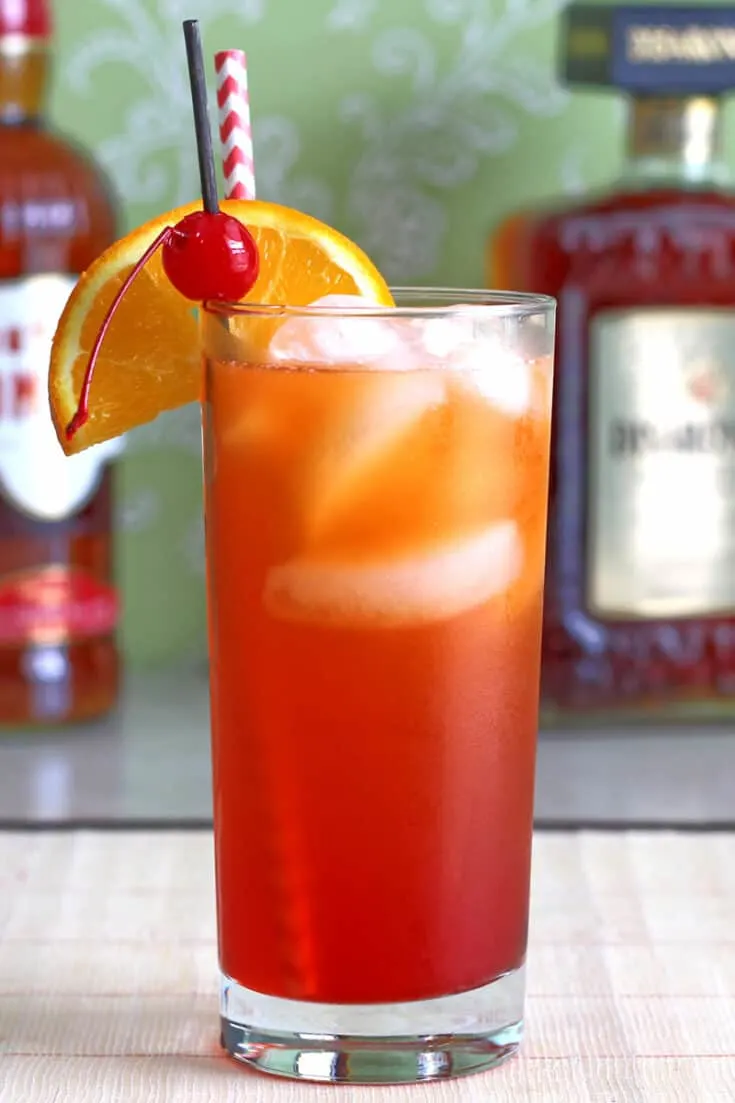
{"points": [[24, 68], [674, 142]]}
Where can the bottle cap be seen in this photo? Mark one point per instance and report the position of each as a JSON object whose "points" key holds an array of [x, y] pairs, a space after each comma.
{"points": [[668, 49], [25, 19]]}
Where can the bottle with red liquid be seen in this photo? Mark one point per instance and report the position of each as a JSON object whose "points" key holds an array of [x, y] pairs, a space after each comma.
{"points": [[58, 605], [640, 594]]}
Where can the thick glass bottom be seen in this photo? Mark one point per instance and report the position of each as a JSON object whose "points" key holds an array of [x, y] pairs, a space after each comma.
{"points": [[375, 1043]]}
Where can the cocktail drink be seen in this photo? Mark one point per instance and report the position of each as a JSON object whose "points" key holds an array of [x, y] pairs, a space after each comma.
{"points": [[375, 502], [375, 510], [376, 469]]}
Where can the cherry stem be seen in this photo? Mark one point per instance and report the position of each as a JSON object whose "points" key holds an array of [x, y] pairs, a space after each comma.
{"points": [[82, 412]]}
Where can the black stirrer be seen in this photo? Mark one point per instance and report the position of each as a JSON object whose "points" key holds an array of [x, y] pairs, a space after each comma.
{"points": [[198, 82]]}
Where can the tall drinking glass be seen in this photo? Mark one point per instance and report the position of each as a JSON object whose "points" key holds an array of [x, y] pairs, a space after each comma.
{"points": [[376, 486]]}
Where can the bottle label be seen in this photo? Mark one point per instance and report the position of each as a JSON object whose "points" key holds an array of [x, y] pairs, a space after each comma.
{"points": [[669, 48], [661, 477], [35, 475], [47, 606]]}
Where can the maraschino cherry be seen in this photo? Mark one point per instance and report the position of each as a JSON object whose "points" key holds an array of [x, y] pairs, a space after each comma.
{"points": [[207, 255], [211, 256]]}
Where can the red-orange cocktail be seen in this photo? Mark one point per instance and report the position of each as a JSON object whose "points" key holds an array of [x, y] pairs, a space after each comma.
{"points": [[376, 513], [375, 482]]}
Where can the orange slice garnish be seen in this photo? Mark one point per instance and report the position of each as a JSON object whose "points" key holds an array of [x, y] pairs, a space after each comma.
{"points": [[150, 361]]}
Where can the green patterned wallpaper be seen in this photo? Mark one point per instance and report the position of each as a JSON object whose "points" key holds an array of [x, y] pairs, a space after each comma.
{"points": [[412, 125]]}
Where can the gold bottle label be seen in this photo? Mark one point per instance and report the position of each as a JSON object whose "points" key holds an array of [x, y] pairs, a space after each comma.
{"points": [[661, 480]]}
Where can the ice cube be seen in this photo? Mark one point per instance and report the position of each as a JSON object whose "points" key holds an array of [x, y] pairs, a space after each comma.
{"points": [[424, 587], [442, 338], [342, 339], [465, 343], [370, 419], [500, 377]]}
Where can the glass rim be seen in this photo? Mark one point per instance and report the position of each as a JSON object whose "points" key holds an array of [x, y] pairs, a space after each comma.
{"points": [[449, 302]]}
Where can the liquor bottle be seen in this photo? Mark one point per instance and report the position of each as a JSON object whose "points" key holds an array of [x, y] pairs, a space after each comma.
{"points": [[58, 606], [640, 593]]}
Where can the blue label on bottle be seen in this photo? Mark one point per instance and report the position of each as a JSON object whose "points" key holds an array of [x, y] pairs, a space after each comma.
{"points": [[668, 49]]}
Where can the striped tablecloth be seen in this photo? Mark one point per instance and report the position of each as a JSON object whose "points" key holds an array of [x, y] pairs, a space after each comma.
{"points": [[107, 975]]}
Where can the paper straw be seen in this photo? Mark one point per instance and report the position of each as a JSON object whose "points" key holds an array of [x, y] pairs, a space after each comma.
{"points": [[276, 788], [235, 130]]}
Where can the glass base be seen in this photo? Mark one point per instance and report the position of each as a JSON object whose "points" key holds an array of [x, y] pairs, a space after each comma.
{"points": [[387, 1043]]}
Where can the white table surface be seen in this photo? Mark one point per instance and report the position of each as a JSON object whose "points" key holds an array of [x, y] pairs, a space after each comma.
{"points": [[108, 975]]}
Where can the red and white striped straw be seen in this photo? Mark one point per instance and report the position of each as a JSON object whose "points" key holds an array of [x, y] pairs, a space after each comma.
{"points": [[235, 130]]}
